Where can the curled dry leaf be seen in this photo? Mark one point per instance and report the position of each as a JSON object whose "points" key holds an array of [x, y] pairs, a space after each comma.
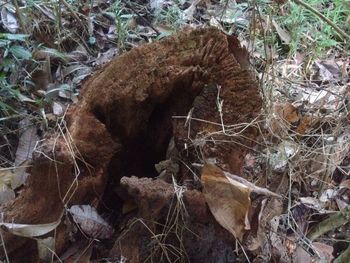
{"points": [[26, 230], [91, 222], [228, 200]]}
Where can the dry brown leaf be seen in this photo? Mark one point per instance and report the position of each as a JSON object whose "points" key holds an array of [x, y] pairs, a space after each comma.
{"points": [[287, 112], [304, 125], [284, 115], [228, 200]]}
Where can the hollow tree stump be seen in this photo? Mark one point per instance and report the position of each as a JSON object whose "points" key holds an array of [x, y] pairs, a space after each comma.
{"points": [[123, 122]]}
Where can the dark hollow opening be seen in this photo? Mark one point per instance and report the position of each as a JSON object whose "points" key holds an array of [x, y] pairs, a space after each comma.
{"points": [[149, 147]]}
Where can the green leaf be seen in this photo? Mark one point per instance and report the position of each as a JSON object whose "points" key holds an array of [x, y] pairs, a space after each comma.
{"points": [[5, 108], [4, 42], [54, 53], [20, 52], [8, 64], [18, 37]]}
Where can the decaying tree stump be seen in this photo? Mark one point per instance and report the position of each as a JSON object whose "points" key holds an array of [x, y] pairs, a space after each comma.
{"points": [[123, 123]]}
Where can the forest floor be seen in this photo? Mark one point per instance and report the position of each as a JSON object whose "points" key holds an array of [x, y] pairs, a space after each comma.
{"points": [[244, 161]]}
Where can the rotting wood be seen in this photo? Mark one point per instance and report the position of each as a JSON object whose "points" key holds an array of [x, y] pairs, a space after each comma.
{"points": [[123, 123]]}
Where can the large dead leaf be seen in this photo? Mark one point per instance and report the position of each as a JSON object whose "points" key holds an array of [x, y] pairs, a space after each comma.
{"points": [[228, 200], [26, 230]]}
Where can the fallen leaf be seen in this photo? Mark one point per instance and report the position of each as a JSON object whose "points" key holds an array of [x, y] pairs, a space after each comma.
{"points": [[287, 112], [26, 230], [305, 124], [326, 251], [46, 246], [328, 195], [331, 100], [91, 222], [324, 254], [6, 175], [328, 71], [341, 204], [313, 203], [283, 34], [341, 149], [20, 52], [6, 193], [105, 57], [301, 256], [26, 144], [277, 240], [187, 14], [157, 4], [40, 79], [228, 200], [326, 160], [284, 152], [27, 141], [57, 109]]}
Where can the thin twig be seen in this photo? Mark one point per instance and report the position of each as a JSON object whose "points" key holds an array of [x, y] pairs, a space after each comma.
{"points": [[20, 17]]}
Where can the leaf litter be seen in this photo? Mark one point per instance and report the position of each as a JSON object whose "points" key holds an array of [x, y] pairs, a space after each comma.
{"points": [[307, 120]]}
